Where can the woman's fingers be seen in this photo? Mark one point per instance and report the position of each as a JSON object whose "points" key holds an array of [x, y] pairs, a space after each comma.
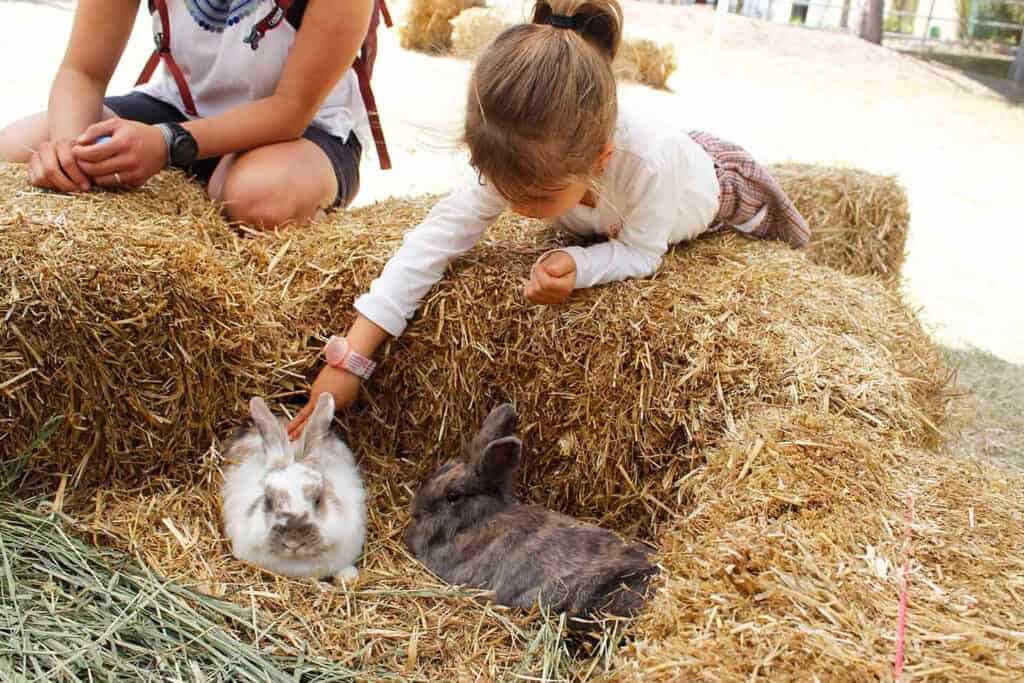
{"points": [[106, 127], [120, 179], [53, 175], [70, 166]]}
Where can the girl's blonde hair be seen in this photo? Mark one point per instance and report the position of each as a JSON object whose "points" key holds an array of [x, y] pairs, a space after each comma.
{"points": [[542, 101]]}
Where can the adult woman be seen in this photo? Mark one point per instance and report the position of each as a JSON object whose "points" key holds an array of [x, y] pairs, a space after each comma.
{"points": [[256, 97]]}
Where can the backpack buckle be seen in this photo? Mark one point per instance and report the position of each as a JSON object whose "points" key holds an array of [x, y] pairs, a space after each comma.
{"points": [[254, 38]]}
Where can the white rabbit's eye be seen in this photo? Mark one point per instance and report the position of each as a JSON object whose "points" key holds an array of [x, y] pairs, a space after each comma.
{"points": [[318, 501], [268, 505]]}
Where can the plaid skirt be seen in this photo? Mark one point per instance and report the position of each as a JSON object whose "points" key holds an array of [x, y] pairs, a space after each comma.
{"points": [[745, 187]]}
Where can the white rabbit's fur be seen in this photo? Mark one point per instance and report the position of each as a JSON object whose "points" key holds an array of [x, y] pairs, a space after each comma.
{"points": [[294, 508]]}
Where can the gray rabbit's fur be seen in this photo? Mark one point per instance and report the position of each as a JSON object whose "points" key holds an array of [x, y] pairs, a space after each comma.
{"points": [[469, 528]]}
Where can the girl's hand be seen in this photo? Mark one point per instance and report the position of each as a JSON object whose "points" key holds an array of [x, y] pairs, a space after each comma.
{"points": [[341, 384], [53, 167], [552, 278], [133, 154]]}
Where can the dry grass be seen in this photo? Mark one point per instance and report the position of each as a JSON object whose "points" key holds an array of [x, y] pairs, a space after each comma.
{"points": [[991, 416], [75, 612], [147, 322]]}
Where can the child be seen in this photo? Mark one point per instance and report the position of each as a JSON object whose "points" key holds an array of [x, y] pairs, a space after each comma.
{"points": [[548, 140]]}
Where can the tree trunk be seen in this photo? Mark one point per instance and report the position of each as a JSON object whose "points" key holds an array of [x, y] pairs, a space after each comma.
{"points": [[871, 21], [1017, 69], [844, 20]]}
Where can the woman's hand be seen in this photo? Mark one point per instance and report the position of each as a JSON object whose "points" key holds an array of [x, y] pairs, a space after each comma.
{"points": [[53, 167], [552, 279], [341, 384], [133, 154]]}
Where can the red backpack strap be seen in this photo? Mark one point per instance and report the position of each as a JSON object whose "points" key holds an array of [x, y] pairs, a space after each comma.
{"points": [[163, 52], [363, 66], [274, 17]]}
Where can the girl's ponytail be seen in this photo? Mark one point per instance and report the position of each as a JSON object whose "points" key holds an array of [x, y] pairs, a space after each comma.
{"points": [[599, 22]]}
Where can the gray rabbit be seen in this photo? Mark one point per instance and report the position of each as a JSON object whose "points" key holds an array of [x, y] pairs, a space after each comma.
{"points": [[469, 528]]}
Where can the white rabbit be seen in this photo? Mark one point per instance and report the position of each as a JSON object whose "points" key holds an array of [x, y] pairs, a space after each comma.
{"points": [[294, 508]]}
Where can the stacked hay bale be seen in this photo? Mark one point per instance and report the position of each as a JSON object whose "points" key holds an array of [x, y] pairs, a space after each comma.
{"points": [[474, 29], [149, 323], [152, 336], [646, 61], [640, 60], [860, 221], [427, 26]]}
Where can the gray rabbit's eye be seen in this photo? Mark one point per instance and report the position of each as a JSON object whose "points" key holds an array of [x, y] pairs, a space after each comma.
{"points": [[453, 497]]}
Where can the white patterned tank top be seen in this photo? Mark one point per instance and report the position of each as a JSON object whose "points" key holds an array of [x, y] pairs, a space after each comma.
{"points": [[224, 70]]}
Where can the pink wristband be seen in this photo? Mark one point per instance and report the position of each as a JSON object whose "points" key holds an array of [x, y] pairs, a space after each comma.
{"points": [[340, 354]]}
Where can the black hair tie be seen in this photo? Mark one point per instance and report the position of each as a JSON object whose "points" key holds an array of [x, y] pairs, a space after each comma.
{"points": [[563, 21]]}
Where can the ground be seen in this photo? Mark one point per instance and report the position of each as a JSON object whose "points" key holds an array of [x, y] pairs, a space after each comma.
{"points": [[786, 93]]}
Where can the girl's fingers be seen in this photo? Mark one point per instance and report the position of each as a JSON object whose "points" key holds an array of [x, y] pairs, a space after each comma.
{"points": [[558, 264], [544, 281], [295, 426], [122, 164]]}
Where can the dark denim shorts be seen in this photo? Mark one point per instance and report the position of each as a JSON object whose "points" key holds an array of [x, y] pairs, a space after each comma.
{"points": [[344, 155]]}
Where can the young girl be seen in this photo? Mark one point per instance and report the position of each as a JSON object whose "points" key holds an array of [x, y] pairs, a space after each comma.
{"points": [[258, 99], [548, 140]]}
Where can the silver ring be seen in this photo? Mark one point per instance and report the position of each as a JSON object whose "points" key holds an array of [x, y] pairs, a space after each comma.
{"points": [[117, 177]]}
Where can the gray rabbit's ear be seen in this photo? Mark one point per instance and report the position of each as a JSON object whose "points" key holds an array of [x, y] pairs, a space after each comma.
{"points": [[275, 439], [500, 423], [498, 461], [318, 427]]}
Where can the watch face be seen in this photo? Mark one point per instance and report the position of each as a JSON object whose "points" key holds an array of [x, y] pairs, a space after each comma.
{"points": [[184, 150]]}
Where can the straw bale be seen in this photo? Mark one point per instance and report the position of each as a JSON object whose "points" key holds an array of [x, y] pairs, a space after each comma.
{"points": [[150, 323], [144, 319], [859, 220], [474, 29], [427, 26], [645, 61], [789, 563]]}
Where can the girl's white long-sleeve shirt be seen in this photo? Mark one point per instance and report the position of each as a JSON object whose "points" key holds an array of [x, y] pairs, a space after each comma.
{"points": [[658, 189]]}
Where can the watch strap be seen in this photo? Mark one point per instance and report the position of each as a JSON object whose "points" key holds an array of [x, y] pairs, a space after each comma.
{"points": [[340, 354], [168, 138]]}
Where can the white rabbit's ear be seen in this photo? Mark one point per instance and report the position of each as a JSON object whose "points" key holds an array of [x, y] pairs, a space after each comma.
{"points": [[318, 426], [275, 439]]}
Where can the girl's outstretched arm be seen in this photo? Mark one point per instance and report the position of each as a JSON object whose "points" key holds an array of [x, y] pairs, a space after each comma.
{"points": [[452, 227]]}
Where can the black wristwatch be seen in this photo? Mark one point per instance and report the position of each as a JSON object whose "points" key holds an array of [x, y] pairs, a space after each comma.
{"points": [[181, 146]]}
